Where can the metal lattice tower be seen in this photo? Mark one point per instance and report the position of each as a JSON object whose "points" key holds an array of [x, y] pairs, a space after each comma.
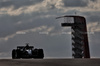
{"points": [[80, 46]]}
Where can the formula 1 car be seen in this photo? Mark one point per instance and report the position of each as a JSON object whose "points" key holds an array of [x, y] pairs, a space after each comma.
{"points": [[27, 52]]}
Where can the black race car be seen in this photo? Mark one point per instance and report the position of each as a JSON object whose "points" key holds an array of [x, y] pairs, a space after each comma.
{"points": [[27, 52]]}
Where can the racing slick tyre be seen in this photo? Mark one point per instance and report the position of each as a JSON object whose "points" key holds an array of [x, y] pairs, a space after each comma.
{"points": [[15, 54], [40, 54]]}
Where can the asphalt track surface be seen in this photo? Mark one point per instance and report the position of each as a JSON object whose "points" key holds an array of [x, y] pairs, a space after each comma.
{"points": [[49, 62]]}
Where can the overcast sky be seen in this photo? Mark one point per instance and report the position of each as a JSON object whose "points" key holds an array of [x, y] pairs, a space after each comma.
{"points": [[33, 21]]}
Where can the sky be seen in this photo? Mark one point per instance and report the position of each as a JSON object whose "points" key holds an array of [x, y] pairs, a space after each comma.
{"points": [[33, 22]]}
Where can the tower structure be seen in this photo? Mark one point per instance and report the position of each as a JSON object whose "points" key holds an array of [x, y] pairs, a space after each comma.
{"points": [[80, 46]]}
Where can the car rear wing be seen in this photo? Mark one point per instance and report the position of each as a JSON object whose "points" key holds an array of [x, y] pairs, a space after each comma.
{"points": [[24, 47]]}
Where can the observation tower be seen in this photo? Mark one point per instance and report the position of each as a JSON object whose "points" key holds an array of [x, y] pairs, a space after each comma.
{"points": [[80, 46]]}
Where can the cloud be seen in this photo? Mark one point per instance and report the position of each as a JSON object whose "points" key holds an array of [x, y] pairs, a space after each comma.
{"points": [[93, 27], [18, 3], [7, 37], [93, 0], [16, 7], [94, 5], [94, 18], [47, 5], [89, 7], [36, 29], [24, 22], [75, 3]]}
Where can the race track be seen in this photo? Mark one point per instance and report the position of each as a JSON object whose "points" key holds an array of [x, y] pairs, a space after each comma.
{"points": [[49, 62]]}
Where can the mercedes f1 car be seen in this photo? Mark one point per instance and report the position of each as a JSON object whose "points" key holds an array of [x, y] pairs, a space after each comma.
{"points": [[27, 52]]}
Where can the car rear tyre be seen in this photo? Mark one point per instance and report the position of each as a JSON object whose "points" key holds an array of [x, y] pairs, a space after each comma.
{"points": [[15, 54], [40, 54]]}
